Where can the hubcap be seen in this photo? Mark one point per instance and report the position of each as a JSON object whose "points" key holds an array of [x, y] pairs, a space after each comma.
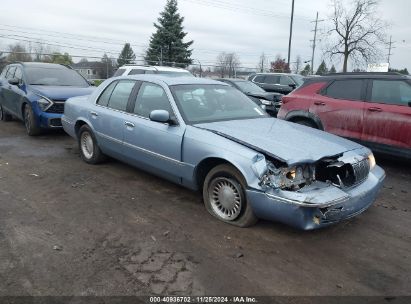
{"points": [[87, 145], [225, 198]]}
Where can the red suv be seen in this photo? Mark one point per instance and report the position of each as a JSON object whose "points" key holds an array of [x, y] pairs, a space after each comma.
{"points": [[371, 108]]}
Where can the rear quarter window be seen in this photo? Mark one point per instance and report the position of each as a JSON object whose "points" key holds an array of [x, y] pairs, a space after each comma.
{"points": [[119, 72], [350, 89]]}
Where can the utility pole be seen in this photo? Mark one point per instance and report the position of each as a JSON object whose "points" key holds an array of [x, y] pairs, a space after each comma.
{"points": [[314, 42], [291, 33], [390, 47]]}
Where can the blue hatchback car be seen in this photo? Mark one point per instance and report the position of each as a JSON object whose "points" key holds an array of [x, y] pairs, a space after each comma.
{"points": [[36, 93], [206, 135]]}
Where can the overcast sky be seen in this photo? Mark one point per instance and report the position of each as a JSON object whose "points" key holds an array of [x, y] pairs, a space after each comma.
{"points": [[242, 26]]}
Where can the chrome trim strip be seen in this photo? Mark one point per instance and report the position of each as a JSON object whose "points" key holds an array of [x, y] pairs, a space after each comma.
{"points": [[142, 149]]}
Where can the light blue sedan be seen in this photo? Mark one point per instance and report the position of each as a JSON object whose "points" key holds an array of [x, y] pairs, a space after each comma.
{"points": [[206, 135]]}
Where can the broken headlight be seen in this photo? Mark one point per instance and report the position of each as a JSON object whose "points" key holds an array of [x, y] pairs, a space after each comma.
{"points": [[292, 178]]}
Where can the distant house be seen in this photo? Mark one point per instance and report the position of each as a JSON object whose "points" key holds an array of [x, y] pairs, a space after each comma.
{"points": [[90, 69]]}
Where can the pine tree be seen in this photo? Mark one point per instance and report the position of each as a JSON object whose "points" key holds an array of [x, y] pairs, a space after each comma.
{"points": [[126, 56], [333, 70], [306, 71], [166, 44], [322, 69]]}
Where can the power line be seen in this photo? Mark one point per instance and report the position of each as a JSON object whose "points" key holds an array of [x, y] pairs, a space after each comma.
{"points": [[239, 8]]}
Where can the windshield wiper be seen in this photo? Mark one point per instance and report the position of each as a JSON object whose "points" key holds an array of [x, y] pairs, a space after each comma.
{"points": [[42, 84]]}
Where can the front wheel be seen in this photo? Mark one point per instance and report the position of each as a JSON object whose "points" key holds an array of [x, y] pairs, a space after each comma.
{"points": [[3, 115], [224, 196], [89, 150], [30, 121]]}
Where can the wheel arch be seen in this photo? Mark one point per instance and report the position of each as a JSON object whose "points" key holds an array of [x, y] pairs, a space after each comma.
{"points": [[293, 116], [207, 164]]}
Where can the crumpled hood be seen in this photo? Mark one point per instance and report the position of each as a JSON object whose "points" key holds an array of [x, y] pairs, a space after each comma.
{"points": [[61, 92], [283, 140]]}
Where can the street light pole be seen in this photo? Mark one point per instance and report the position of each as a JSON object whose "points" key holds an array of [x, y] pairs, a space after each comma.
{"points": [[291, 33]]}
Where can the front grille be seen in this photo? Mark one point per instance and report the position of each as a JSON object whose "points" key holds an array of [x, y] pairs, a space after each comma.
{"points": [[343, 174], [361, 170], [57, 107]]}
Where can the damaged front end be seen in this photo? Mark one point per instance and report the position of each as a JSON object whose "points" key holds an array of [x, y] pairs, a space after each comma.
{"points": [[310, 195]]}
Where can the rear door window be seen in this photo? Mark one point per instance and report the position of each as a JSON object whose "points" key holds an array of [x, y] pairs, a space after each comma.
{"points": [[346, 89], [272, 79], [396, 92], [120, 95], [259, 78]]}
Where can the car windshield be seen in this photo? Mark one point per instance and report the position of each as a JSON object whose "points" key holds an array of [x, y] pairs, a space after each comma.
{"points": [[175, 74], [209, 103], [298, 79], [55, 77], [248, 86]]}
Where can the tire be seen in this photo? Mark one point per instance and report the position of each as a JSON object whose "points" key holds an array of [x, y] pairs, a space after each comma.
{"points": [[89, 150], [29, 120], [4, 116], [307, 123], [224, 196]]}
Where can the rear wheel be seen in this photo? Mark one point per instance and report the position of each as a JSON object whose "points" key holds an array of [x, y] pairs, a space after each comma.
{"points": [[4, 116], [30, 123], [224, 196], [307, 123], [89, 150]]}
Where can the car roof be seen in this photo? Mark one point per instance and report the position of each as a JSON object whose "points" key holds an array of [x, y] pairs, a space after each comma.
{"points": [[286, 74], [233, 79], [172, 80], [42, 65], [363, 75], [153, 68]]}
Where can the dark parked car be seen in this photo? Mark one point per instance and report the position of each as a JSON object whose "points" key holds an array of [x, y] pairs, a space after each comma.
{"points": [[271, 102], [35, 93], [277, 82], [371, 108], [206, 135]]}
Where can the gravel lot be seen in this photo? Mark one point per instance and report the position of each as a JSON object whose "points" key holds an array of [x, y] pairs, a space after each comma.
{"points": [[68, 228]]}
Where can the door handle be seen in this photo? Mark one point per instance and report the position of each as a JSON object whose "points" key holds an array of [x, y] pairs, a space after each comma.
{"points": [[319, 103], [375, 109], [129, 124], [92, 113]]}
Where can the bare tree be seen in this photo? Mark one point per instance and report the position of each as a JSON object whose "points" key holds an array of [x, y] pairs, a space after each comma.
{"points": [[356, 32], [263, 63], [18, 52], [297, 64], [227, 64]]}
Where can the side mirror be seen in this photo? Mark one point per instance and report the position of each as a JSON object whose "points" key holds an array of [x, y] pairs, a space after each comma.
{"points": [[292, 85], [409, 103], [14, 81], [161, 116]]}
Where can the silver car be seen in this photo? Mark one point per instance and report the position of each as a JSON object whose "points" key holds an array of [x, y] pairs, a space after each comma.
{"points": [[206, 135]]}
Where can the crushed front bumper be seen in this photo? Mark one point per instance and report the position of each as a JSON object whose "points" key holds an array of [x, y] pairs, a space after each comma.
{"points": [[331, 205]]}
